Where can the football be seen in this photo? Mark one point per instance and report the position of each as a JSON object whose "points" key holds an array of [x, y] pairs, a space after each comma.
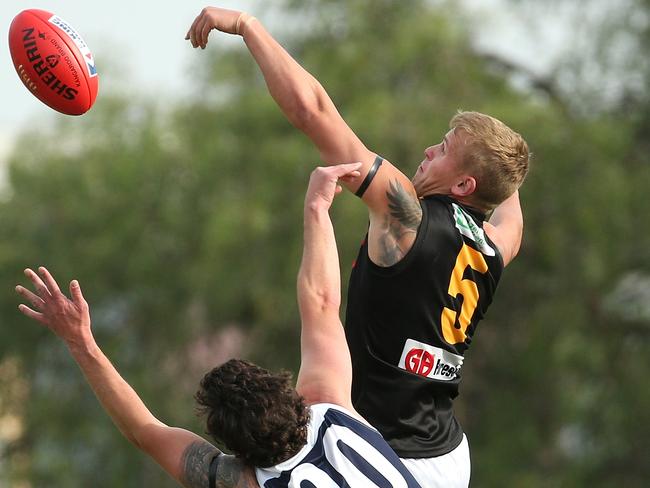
{"points": [[53, 61]]}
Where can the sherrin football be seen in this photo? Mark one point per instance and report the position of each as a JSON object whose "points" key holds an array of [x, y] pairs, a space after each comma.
{"points": [[53, 61]]}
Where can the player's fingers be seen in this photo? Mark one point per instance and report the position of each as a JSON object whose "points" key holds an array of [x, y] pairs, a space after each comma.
{"points": [[346, 168], [206, 27], [77, 296], [190, 32], [205, 32], [31, 297], [195, 34], [40, 287], [340, 170], [49, 280], [32, 314], [351, 176]]}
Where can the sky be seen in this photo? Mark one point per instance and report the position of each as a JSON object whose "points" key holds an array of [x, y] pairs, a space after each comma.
{"points": [[143, 40]]}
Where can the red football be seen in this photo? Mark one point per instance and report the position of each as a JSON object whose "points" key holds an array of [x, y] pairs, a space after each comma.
{"points": [[53, 61]]}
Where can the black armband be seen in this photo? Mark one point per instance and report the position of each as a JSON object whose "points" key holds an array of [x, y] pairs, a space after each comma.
{"points": [[369, 177], [214, 466]]}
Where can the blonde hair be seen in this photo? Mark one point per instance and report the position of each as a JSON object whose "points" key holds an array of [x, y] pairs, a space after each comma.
{"points": [[495, 155]]}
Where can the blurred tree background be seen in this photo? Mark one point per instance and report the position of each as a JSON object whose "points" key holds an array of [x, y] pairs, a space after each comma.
{"points": [[183, 224]]}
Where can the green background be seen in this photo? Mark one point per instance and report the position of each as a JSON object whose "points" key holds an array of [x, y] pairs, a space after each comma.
{"points": [[183, 223]]}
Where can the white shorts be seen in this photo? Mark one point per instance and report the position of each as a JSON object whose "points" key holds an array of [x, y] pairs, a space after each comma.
{"points": [[450, 470]]}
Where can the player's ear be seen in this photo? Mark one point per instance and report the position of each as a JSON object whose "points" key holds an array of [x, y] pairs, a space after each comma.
{"points": [[465, 186]]}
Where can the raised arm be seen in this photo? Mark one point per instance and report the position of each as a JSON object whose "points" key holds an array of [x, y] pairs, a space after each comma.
{"points": [[325, 370], [299, 95], [506, 226], [183, 454], [306, 104]]}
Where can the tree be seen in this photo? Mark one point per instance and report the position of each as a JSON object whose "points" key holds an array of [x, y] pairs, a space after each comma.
{"points": [[184, 226]]}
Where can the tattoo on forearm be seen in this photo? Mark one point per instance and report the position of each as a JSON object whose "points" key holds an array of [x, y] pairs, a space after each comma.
{"points": [[403, 219]]}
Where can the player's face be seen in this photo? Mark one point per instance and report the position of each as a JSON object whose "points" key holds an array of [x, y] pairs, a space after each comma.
{"points": [[440, 169]]}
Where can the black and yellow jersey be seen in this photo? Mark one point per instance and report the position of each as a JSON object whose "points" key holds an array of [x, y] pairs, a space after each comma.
{"points": [[409, 325]]}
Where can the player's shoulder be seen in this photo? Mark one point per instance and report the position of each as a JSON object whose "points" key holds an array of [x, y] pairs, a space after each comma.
{"points": [[320, 411], [450, 212], [470, 226], [438, 214], [448, 224]]}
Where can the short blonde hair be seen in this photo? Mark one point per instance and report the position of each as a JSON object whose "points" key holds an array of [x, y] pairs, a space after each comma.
{"points": [[495, 155]]}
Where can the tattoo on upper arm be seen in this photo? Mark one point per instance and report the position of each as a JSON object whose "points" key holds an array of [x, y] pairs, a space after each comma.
{"points": [[196, 464], [234, 473], [231, 472], [404, 207], [403, 218]]}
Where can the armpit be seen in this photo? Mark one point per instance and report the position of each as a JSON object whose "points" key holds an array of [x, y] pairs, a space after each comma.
{"points": [[400, 225], [404, 207]]}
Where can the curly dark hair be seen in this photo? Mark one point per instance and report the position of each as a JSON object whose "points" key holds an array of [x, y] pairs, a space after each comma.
{"points": [[256, 414]]}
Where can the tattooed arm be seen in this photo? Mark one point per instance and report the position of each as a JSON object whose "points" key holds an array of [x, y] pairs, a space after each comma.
{"points": [[188, 458], [229, 472], [392, 234], [183, 454]]}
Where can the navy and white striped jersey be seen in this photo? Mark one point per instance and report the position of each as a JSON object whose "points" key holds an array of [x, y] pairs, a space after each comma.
{"points": [[342, 451]]}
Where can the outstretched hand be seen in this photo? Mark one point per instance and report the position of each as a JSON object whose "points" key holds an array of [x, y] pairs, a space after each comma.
{"points": [[68, 319], [323, 183], [224, 20]]}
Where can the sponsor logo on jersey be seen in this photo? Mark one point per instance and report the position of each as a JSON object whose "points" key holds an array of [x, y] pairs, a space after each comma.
{"points": [[79, 42], [467, 227], [430, 361]]}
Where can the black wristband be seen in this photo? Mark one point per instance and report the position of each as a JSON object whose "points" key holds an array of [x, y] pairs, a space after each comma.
{"points": [[368, 179], [212, 475]]}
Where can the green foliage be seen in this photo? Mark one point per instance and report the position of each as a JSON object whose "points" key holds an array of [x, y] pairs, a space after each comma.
{"points": [[182, 223]]}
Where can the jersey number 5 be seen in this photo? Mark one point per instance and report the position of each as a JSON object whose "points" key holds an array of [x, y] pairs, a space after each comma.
{"points": [[465, 287]]}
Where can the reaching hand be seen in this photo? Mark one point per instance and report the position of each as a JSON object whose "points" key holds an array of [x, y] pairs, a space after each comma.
{"points": [[69, 319], [323, 183], [224, 20]]}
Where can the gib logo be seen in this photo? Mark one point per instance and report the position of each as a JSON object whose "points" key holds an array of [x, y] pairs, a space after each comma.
{"points": [[419, 361], [430, 361]]}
